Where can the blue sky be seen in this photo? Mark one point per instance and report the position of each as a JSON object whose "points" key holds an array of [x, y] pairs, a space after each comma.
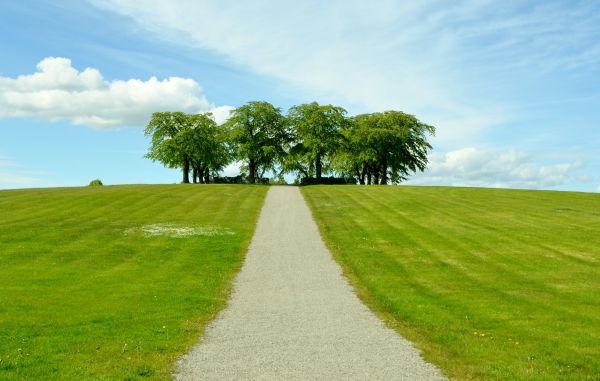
{"points": [[512, 87]]}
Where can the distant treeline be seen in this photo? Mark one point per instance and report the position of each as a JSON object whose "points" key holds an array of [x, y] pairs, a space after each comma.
{"points": [[310, 141]]}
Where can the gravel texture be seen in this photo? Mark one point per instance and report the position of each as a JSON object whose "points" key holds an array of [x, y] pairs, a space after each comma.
{"points": [[293, 316]]}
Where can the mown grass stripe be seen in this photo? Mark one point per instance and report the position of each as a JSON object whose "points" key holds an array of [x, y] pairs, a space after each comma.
{"points": [[443, 263], [83, 300]]}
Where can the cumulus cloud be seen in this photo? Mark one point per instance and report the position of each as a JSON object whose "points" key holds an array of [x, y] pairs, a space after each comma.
{"points": [[58, 91], [232, 169], [222, 113], [501, 169]]}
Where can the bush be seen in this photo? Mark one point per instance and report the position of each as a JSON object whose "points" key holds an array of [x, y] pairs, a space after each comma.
{"points": [[328, 180], [262, 180], [95, 183], [238, 180], [229, 180]]}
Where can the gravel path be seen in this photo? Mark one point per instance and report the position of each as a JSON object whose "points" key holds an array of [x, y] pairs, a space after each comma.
{"points": [[292, 314]]}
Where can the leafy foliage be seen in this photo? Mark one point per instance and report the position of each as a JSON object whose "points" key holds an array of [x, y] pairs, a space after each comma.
{"points": [[184, 141], [382, 147], [167, 130], [311, 141], [258, 137], [317, 133], [206, 144]]}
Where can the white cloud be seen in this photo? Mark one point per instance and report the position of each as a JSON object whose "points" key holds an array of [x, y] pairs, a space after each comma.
{"points": [[452, 64], [222, 113], [502, 169], [58, 91], [305, 45], [232, 169]]}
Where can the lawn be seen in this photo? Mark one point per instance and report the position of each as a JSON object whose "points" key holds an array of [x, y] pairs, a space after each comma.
{"points": [[116, 282], [490, 284]]}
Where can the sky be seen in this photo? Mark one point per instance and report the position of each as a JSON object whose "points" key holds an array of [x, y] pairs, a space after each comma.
{"points": [[513, 88]]}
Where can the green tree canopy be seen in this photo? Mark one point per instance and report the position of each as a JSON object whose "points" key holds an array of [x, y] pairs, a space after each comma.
{"points": [[317, 135], [206, 143], [184, 141], [378, 148], [166, 130], [382, 147], [258, 137]]}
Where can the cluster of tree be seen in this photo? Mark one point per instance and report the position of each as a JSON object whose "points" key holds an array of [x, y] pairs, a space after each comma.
{"points": [[310, 141]]}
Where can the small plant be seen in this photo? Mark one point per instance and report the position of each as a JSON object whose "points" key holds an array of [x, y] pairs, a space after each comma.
{"points": [[95, 183]]}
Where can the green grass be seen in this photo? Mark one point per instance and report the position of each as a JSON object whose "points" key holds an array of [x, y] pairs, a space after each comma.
{"points": [[490, 284], [83, 296]]}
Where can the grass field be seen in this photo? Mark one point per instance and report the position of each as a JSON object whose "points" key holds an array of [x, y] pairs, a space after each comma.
{"points": [[115, 282], [490, 284]]}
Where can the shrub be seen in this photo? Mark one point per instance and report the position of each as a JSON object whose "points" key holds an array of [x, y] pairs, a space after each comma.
{"points": [[239, 180], [229, 180], [95, 183], [327, 180], [262, 180]]}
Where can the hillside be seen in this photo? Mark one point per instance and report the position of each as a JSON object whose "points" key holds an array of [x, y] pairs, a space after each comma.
{"points": [[115, 282], [491, 284]]}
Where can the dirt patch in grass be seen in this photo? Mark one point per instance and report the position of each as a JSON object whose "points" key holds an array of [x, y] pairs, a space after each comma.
{"points": [[178, 231]]}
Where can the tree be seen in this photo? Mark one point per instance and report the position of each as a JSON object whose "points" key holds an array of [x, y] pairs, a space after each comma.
{"points": [[376, 148], [355, 155], [382, 147], [258, 136], [184, 141], [316, 130], [205, 141], [167, 130], [406, 150]]}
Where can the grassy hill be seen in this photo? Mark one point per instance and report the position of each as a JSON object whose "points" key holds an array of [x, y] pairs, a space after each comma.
{"points": [[115, 282], [118, 282], [490, 284]]}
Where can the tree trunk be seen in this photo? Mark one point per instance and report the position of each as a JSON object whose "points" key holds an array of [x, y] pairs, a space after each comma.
{"points": [[199, 173], [194, 174], [376, 176], [361, 176], [384, 178], [186, 171], [207, 176], [318, 168], [252, 172], [369, 176], [361, 179]]}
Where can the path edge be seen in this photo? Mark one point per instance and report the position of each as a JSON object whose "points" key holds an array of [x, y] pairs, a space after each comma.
{"points": [[369, 301], [227, 293]]}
